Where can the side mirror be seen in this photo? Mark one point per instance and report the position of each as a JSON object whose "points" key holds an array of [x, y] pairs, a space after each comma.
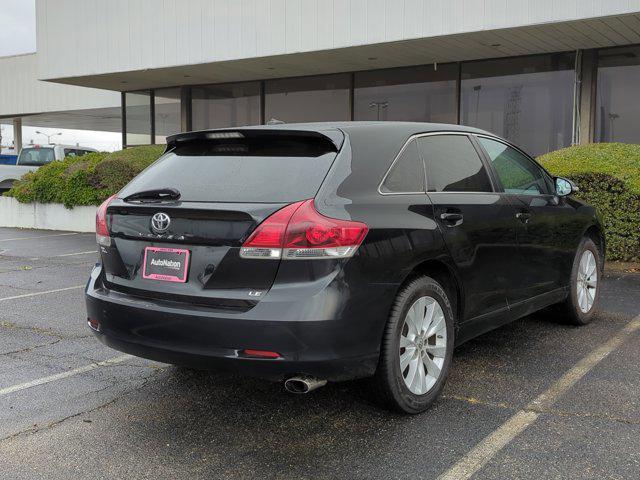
{"points": [[565, 187]]}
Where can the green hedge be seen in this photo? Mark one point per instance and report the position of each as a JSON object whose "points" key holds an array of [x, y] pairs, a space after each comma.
{"points": [[86, 180], [608, 175]]}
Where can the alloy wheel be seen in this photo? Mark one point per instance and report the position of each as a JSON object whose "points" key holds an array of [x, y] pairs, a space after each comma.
{"points": [[423, 345], [587, 281]]}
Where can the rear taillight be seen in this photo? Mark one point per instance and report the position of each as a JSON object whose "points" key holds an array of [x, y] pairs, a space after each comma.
{"points": [[93, 323], [102, 228], [260, 353], [298, 231]]}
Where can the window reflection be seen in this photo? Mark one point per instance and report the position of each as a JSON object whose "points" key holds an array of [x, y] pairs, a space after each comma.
{"points": [[167, 112], [138, 117], [618, 97], [415, 94], [231, 105], [307, 99], [527, 100]]}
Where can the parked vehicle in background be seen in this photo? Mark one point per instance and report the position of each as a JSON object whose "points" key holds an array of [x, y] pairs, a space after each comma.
{"points": [[8, 158], [33, 157], [325, 252]]}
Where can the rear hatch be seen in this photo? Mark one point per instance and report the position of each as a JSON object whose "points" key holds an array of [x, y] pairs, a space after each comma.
{"points": [[195, 206]]}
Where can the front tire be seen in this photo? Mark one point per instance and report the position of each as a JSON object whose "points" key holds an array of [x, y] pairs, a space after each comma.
{"points": [[582, 301], [417, 347]]}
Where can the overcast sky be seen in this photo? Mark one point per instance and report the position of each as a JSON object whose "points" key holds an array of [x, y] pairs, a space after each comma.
{"points": [[108, 141], [17, 27], [17, 36]]}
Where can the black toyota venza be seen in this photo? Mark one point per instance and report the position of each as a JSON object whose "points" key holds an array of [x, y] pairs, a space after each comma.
{"points": [[324, 252]]}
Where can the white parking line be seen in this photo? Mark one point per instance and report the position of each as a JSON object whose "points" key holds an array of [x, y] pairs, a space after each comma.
{"points": [[38, 236], [72, 254], [65, 255], [488, 448], [60, 376], [35, 294]]}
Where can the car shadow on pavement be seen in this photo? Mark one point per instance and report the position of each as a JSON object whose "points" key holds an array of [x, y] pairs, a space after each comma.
{"points": [[238, 426]]}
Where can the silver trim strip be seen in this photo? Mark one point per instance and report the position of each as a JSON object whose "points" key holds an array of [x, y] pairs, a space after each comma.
{"points": [[465, 193]]}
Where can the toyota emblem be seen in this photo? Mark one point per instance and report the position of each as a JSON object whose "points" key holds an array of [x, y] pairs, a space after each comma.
{"points": [[160, 222]]}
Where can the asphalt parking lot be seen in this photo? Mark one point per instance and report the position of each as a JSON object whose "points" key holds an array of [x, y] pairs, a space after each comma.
{"points": [[535, 399]]}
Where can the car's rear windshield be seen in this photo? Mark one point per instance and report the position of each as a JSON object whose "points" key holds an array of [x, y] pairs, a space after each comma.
{"points": [[252, 170], [36, 156]]}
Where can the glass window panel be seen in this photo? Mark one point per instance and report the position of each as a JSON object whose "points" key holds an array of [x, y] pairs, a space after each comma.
{"points": [[527, 100], [308, 99], [453, 165], [618, 97], [138, 114], [167, 113], [36, 156], [407, 174], [413, 94], [212, 171], [230, 105], [517, 173]]}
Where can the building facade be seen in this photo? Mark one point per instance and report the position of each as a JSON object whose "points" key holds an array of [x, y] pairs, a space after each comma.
{"points": [[544, 74]]}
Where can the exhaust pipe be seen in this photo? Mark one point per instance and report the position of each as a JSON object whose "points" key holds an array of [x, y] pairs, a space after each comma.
{"points": [[302, 384]]}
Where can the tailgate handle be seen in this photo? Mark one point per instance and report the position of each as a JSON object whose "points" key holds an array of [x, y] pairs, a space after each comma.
{"points": [[451, 219]]}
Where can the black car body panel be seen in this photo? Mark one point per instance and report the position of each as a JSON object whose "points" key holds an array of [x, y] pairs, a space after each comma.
{"points": [[213, 233], [325, 317]]}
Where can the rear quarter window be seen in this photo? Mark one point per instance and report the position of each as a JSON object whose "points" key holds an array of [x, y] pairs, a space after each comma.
{"points": [[407, 173]]}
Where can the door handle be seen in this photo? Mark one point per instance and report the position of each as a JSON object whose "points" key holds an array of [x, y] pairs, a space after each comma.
{"points": [[451, 219], [524, 217]]}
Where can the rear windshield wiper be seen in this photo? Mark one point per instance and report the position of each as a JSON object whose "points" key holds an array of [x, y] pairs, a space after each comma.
{"points": [[155, 195]]}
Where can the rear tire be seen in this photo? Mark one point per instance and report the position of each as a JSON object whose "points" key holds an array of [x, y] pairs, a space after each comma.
{"points": [[584, 285], [417, 347]]}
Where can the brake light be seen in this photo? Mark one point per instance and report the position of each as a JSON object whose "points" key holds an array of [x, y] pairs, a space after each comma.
{"points": [[102, 229], [298, 231], [260, 353], [93, 323]]}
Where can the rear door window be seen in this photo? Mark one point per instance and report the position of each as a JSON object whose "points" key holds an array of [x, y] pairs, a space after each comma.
{"points": [[453, 164], [407, 173], [254, 170]]}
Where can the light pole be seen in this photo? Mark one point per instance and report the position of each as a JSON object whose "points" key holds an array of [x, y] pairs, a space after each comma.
{"points": [[612, 118], [379, 106], [477, 89], [48, 136]]}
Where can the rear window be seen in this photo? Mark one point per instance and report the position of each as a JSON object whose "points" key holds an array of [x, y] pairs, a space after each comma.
{"points": [[261, 170], [36, 156]]}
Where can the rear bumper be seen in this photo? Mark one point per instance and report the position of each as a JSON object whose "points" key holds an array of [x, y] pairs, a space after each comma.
{"points": [[325, 343]]}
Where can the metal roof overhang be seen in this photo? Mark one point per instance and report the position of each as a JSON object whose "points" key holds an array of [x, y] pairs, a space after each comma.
{"points": [[525, 40]]}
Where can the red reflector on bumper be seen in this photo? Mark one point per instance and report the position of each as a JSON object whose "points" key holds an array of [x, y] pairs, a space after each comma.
{"points": [[260, 353], [93, 323]]}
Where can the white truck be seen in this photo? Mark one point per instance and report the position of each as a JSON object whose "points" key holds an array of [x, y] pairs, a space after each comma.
{"points": [[33, 157]]}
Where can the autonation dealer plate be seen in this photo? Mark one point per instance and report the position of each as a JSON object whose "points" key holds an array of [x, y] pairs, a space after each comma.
{"points": [[165, 264]]}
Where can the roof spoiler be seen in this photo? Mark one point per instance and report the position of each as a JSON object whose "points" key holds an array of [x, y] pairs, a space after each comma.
{"points": [[333, 137]]}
